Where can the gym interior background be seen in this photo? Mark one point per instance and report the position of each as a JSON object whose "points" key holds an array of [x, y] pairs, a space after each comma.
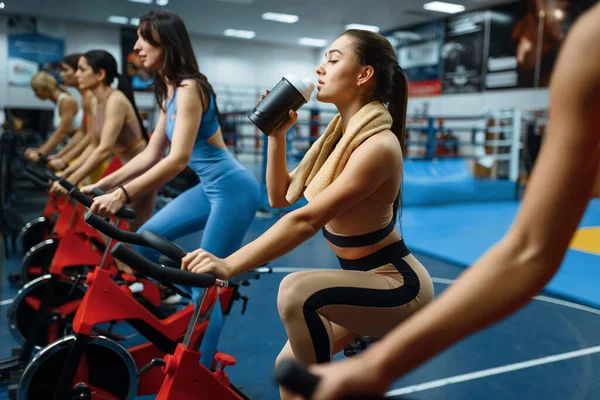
{"points": [[479, 75]]}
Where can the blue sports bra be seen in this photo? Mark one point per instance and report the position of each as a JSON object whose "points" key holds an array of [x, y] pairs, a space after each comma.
{"points": [[205, 157], [209, 124]]}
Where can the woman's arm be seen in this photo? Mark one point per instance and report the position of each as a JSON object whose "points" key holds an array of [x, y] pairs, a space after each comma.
{"points": [[73, 141], [153, 152], [67, 109], [369, 166], [114, 118], [82, 158], [78, 148], [278, 177], [532, 251], [189, 114]]}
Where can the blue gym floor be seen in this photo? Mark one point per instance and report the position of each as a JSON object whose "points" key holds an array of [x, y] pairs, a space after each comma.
{"points": [[548, 350], [461, 233]]}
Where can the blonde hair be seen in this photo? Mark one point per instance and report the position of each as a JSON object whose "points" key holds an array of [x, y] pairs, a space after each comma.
{"points": [[44, 81]]}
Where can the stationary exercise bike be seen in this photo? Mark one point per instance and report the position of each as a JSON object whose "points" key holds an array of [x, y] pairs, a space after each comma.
{"points": [[43, 308], [35, 236], [100, 365], [39, 229], [38, 258]]}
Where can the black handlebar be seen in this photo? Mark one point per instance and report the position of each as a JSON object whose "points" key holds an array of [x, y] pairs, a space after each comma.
{"points": [[124, 212], [36, 181], [43, 159], [167, 262], [37, 173], [98, 192], [50, 175], [298, 379], [112, 231], [155, 271], [163, 246]]}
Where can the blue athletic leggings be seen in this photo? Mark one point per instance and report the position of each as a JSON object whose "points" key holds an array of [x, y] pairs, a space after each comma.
{"points": [[224, 211]]}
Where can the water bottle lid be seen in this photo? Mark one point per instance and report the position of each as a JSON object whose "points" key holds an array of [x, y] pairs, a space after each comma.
{"points": [[304, 86]]}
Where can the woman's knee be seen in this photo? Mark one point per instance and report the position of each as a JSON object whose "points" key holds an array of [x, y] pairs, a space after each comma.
{"points": [[291, 296]]}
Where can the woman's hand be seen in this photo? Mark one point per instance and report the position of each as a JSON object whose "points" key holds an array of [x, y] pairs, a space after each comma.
{"points": [[285, 125], [32, 154], [107, 205], [87, 190], [348, 378], [202, 262], [58, 189]]}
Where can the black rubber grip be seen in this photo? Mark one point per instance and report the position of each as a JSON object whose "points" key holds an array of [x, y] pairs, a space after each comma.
{"points": [[43, 158], [298, 379], [78, 196], [98, 192], [50, 175], [112, 231], [124, 212], [155, 271], [36, 181], [163, 246]]}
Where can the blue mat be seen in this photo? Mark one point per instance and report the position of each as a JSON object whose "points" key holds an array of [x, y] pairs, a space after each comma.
{"points": [[461, 233], [439, 182]]}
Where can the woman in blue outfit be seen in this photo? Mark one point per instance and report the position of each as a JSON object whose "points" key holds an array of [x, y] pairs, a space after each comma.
{"points": [[226, 199]]}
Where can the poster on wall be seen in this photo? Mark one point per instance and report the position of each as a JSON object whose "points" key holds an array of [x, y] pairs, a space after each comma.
{"points": [[418, 53], [462, 53], [509, 63], [133, 69], [525, 39], [33, 45]]}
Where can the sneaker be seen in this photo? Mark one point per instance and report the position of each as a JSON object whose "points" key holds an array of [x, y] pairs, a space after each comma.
{"points": [[136, 287]]}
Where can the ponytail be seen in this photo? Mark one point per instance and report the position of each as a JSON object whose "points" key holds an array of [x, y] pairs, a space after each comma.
{"points": [[125, 87], [398, 104], [397, 108]]}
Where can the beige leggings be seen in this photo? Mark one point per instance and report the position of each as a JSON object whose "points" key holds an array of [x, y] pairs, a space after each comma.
{"points": [[322, 311]]}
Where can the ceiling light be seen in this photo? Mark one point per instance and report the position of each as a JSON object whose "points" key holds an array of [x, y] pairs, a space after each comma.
{"points": [[162, 3], [2, 5], [440, 6], [134, 21], [118, 20], [142, 1], [237, 1], [559, 14], [371, 28], [285, 18], [239, 33], [312, 42]]}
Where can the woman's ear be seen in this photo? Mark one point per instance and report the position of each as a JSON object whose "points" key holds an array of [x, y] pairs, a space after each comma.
{"points": [[101, 74], [366, 75]]}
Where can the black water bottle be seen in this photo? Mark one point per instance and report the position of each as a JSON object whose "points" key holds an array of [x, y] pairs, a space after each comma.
{"points": [[291, 93]]}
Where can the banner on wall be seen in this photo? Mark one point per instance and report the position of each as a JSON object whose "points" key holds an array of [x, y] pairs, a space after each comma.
{"points": [[33, 45], [462, 53], [418, 53], [133, 69], [525, 39], [509, 63]]}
